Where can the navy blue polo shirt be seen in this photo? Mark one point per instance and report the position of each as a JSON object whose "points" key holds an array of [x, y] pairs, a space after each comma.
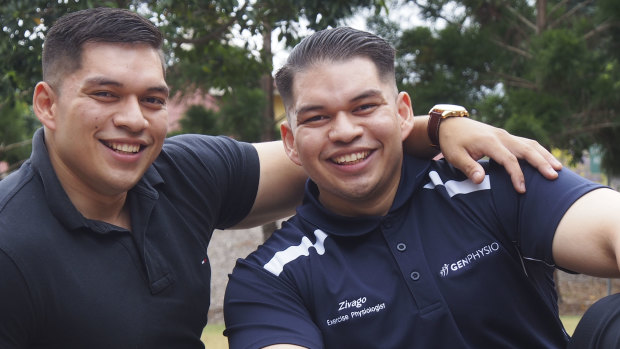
{"points": [[452, 265], [70, 282]]}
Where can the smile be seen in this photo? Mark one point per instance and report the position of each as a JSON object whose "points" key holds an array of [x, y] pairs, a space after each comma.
{"points": [[351, 158], [123, 147]]}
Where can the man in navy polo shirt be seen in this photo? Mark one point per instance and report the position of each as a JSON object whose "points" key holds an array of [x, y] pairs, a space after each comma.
{"points": [[104, 230], [390, 251]]}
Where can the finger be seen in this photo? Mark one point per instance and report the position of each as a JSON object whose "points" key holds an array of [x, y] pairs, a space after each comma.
{"points": [[469, 166], [541, 159], [511, 164]]}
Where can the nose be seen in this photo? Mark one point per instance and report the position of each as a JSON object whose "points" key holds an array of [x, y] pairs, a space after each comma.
{"points": [[131, 116], [344, 128]]}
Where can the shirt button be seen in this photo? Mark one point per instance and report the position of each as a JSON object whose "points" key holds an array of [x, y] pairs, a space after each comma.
{"points": [[401, 246], [415, 276]]}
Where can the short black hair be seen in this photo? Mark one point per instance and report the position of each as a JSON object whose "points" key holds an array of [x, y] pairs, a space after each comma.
{"points": [[337, 44], [62, 48]]}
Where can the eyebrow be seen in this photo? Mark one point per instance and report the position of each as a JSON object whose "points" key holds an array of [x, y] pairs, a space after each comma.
{"points": [[366, 94], [101, 81]]}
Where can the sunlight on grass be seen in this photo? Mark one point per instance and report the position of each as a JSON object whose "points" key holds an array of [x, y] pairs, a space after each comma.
{"points": [[213, 338], [570, 322]]}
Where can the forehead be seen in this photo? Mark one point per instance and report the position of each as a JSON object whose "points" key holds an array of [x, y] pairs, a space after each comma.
{"points": [[333, 82], [132, 62]]}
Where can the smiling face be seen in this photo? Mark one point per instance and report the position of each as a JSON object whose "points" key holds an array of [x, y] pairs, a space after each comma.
{"points": [[346, 128], [106, 123]]}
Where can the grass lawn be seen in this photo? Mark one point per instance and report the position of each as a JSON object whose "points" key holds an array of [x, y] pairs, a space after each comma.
{"points": [[213, 338]]}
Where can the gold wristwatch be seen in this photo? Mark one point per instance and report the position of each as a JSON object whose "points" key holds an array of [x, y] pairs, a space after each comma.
{"points": [[437, 114]]}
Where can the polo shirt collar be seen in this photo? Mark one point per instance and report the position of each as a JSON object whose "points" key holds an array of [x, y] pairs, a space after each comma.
{"points": [[413, 175], [58, 200]]}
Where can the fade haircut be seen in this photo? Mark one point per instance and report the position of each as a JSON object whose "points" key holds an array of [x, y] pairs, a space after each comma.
{"points": [[335, 45], [62, 49]]}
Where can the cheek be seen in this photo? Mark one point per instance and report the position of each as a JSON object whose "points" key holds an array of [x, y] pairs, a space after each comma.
{"points": [[306, 145], [159, 124]]}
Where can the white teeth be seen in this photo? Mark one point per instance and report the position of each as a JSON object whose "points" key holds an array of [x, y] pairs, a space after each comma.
{"points": [[349, 158], [124, 147]]}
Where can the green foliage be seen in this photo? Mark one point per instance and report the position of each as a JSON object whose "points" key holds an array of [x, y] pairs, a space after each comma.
{"points": [[552, 75], [239, 113], [238, 116], [15, 125], [198, 119]]}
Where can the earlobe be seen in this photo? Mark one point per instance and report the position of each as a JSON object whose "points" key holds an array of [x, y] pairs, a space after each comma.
{"points": [[288, 139], [44, 104], [405, 112]]}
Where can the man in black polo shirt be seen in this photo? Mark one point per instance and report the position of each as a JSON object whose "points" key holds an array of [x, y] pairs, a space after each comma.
{"points": [[391, 251], [104, 230]]}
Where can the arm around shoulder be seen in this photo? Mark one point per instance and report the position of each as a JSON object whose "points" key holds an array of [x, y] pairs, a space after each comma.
{"points": [[280, 188]]}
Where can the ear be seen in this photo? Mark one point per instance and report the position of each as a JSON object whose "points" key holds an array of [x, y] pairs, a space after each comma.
{"points": [[44, 104], [288, 139], [405, 112]]}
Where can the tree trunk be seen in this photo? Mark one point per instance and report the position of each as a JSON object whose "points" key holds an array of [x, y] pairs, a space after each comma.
{"points": [[541, 16], [267, 132]]}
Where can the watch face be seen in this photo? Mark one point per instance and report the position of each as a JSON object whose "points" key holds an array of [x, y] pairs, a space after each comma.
{"points": [[447, 110]]}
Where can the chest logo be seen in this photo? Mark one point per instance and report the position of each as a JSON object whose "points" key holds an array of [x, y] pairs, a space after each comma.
{"points": [[469, 259]]}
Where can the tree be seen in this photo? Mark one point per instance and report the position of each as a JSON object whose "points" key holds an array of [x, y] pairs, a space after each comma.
{"points": [[546, 69]]}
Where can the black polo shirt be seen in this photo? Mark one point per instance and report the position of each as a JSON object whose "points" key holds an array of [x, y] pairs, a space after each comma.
{"points": [[452, 265], [71, 282]]}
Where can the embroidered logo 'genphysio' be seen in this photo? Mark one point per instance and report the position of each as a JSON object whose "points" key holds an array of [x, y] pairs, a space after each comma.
{"points": [[470, 258]]}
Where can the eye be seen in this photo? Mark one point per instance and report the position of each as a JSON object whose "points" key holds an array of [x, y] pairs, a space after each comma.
{"points": [[366, 108], [313, 119], [154, 102], [104, 96]]}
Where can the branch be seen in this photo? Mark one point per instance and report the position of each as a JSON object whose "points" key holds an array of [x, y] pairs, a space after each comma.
{"points": [[433, 13], [214, 34], [599, 28], [525, 21], [516, 81], [590, 128], [5, 148], [569, 13], [512, 48], [557, 6]]}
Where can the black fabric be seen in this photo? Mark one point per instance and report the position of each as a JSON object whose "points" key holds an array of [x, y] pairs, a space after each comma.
{"points": [[599, 328], [70, 282]]}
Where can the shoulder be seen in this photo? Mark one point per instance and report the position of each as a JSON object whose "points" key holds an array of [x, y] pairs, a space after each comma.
{"points": [[206, 145], [287, 245], [213, 154]]}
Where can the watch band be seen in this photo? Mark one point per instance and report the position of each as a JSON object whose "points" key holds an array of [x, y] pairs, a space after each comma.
{"points": [[434, 118], [437, 114]]}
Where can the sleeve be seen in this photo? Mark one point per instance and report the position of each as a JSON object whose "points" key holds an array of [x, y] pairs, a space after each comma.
{"points": [[217, 174], [261, 309], [532, 218], [17, 323]]}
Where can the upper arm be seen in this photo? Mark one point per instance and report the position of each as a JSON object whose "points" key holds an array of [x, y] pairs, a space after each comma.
{"points": [[262, 309], [587, 239], [280, 188]]}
